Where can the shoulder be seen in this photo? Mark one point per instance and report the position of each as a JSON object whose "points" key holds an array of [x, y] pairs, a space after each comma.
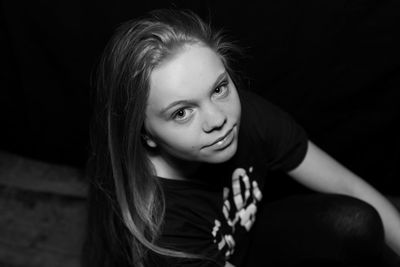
{"points": [[255, 104], [261, 117], [267, 127]]}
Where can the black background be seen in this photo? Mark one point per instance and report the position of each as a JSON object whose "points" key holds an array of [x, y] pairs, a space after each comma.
{"points": [[334, 65]]}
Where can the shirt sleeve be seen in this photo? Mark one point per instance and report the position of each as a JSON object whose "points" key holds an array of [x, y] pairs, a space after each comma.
{"points": [[282, 140]]}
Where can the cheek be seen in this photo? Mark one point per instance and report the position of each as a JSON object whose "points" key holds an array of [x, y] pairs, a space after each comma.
{"points": [[181, 140], [177, 138], [234, 108]]}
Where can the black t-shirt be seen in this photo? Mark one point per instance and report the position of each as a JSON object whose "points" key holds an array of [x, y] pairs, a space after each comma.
{"points": [[213, 217]]}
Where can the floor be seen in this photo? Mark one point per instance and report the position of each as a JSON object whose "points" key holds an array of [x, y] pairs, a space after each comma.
{"points": [[43, 214]]}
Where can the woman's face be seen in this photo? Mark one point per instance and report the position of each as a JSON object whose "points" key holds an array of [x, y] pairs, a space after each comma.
{"points": [[193, 109]]}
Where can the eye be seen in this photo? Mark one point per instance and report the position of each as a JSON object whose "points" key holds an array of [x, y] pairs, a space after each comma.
{"points": [[182, 114], [222, 89]]}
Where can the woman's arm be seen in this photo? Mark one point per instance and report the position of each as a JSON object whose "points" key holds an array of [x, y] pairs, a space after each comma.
{"points": [[322, 173]]}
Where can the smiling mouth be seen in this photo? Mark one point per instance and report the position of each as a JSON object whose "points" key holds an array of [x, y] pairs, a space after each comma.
{"points": [[222, 140]]}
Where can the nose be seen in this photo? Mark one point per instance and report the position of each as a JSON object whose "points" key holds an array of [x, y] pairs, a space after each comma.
{"points": [[214, 118]]}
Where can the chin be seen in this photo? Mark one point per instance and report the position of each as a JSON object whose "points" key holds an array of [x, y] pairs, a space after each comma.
{"points": [[223, 155]]}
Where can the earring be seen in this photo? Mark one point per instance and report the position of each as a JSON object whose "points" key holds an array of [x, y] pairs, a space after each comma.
{"points": [[148, 141]]}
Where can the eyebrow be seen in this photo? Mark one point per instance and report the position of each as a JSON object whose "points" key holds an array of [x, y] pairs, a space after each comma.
{"points": [[179, 102]]}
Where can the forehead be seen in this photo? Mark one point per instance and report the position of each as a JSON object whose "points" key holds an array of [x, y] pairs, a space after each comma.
{"points": [[187, 75]]}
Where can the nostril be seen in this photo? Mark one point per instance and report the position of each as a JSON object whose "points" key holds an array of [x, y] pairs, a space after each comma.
{"points": [[214, 117], [214, 124]]}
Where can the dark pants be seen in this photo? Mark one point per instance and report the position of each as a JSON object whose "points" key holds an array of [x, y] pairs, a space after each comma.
{"points": [[317, 230]]}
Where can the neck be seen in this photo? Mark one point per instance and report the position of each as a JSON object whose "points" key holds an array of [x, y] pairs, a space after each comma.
{"points": [[173, 168]]}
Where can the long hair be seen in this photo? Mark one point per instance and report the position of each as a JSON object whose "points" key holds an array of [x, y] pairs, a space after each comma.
{"points": [[126, 205]]}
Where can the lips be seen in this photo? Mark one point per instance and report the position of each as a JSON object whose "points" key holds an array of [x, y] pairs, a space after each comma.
{"points": [[221, 139]]}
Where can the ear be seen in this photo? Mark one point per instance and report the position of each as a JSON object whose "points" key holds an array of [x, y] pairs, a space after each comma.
{"points": [[150, 142]]}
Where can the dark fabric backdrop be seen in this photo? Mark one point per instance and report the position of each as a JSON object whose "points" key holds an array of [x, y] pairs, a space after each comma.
{"points": [[334, 65]]}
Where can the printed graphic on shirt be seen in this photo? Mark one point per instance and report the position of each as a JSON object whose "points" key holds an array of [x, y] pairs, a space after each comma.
{"points": [[239, 209]]}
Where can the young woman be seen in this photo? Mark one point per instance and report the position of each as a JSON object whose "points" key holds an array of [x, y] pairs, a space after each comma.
{"points": [[181, 157]]}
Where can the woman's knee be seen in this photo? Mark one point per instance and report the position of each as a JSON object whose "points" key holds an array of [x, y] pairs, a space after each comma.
{"points": [[354, 219], [358, 230]]}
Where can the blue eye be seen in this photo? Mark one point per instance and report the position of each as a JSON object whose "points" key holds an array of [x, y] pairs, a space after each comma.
{"points": [[222, 89], [182, 114]]}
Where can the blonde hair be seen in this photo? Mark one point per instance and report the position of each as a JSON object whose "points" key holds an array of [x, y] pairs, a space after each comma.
{"points": [[126, 200]]}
